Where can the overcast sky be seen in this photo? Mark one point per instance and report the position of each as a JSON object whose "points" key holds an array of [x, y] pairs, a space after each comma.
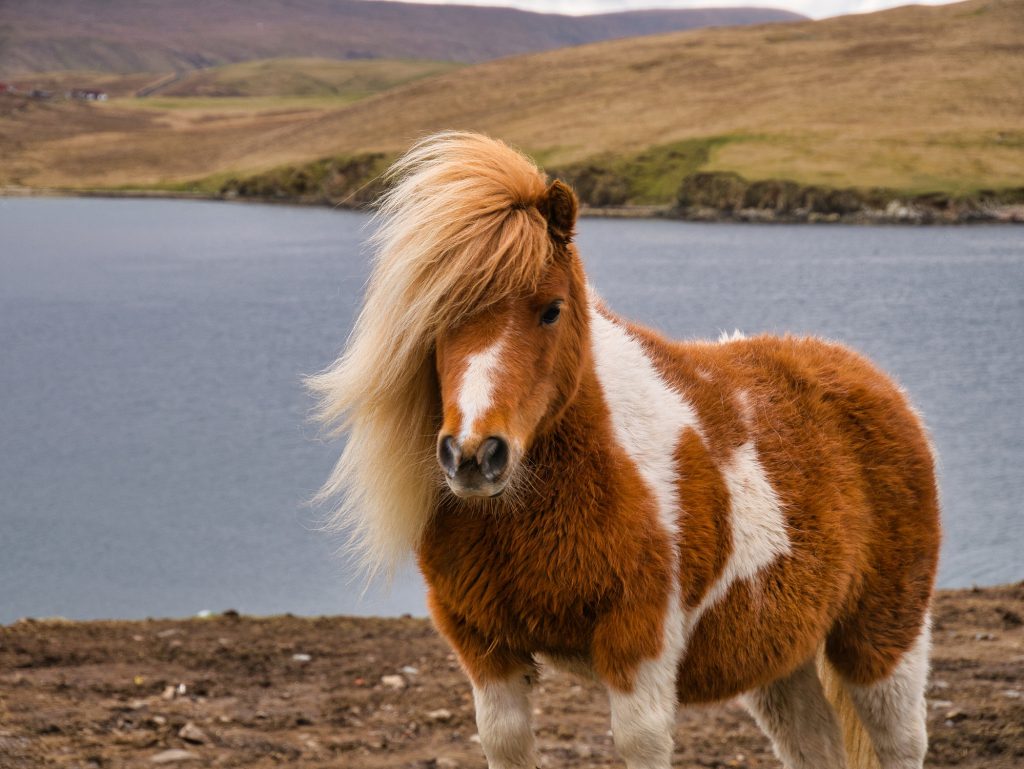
{"points": [[817, 9]]}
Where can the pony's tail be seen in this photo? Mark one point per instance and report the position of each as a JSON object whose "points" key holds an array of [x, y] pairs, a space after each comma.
{"points": [[860, 753]]}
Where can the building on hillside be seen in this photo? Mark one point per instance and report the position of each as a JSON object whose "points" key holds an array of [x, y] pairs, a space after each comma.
{"points": [[87, 94]]}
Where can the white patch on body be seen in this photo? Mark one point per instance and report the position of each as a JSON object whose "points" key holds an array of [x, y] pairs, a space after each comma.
{"points": [[894, 711], [476, 389], [756, 520], [648, 418], [503, 722]]}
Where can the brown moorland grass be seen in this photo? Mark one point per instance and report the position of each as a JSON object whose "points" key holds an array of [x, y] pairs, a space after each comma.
{"points": [[308, 77], [917, 98]]}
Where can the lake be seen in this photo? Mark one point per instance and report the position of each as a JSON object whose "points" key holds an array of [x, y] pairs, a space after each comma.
{"points": [[155, 452]]}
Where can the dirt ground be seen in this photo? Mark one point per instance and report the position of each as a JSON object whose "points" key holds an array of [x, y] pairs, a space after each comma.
{"points": [[363, 693]]}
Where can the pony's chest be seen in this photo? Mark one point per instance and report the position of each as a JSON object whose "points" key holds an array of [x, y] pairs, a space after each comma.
{"points": [[532, 589]]}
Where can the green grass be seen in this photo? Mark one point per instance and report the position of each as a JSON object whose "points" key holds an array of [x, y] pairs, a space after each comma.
{"points": [[649, 177]]}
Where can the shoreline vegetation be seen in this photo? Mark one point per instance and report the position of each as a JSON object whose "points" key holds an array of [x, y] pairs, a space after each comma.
{"points": [[371, 693], [354, 183]]}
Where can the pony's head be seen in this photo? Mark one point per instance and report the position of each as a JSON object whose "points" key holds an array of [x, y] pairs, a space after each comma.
{"points": [[469, 344], [508, 370]]}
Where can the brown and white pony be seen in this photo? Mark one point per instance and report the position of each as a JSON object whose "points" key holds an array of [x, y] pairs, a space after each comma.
{"points": [[686, 521]]}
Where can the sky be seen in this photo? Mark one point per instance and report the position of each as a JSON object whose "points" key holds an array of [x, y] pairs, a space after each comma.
{"points": [[817, 9]]}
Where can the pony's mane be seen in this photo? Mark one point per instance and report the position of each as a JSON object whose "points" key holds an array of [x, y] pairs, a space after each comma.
{"points": [[459, 230]]}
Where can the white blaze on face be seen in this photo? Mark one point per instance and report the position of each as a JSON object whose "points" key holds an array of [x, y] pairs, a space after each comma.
{"points": [[476, 391]]}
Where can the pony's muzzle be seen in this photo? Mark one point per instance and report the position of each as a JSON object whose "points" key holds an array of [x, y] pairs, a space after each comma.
{"points": [[474, 470]]}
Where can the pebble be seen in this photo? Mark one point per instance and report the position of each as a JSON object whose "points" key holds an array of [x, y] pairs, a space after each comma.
{"points": [[955, 716], [393, 682], [446, 763], [302, 658], [192, 733], [441, 714], [173, 756], [409, 670]]}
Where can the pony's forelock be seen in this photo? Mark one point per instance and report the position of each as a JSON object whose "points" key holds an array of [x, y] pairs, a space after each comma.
{"points": [[458, 231]]}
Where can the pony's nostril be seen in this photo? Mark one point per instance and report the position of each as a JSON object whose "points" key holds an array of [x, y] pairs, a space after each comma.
{"points": [[492, 458], [448, 455]]}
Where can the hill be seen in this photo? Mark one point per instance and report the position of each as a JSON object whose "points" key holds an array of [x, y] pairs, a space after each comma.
{"points": [[303, 77], [916, 99], [160, 35]]}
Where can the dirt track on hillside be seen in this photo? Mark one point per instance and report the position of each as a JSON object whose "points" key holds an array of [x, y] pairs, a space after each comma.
{"points": [[235, 691]]}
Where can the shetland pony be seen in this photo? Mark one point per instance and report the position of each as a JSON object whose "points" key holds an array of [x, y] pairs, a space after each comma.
{"points": [[687, 522]]}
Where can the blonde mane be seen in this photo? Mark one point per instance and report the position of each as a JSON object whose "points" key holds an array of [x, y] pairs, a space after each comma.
{"points": [[458, 230]]}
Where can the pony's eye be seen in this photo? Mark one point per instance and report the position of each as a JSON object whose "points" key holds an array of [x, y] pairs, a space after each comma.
{"points": [[551, 313]]}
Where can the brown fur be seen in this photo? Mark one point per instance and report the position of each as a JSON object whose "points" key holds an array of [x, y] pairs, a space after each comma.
{"points": [[844, 452]]}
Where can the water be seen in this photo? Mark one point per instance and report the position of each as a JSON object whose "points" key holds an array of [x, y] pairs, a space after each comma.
{"points": [[154, 450]]}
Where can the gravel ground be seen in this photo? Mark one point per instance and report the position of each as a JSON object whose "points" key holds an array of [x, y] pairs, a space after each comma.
{"points": [[369, 693]]}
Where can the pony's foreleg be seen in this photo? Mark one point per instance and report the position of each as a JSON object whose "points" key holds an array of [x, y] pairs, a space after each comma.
{"points": [[503, 721], [644, 700], [643, 719], [501, 680], [800, 721]]}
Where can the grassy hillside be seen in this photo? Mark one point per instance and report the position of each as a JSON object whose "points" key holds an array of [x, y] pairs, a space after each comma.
{"points": [[919, 99], [162, 35], [304, 77]]}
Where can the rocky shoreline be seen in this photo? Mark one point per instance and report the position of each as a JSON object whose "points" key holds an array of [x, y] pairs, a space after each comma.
{"points": [[366, 693], [355, 183]]}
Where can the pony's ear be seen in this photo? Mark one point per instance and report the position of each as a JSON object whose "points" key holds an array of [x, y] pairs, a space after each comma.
{"points": [[559, 206]]}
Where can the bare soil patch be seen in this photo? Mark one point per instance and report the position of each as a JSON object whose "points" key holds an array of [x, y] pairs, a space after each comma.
{"points": [[371, 693]]}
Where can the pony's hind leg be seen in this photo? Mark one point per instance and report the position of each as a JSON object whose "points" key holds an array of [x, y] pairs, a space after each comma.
{"points": [[801, 723], [893, 709]]}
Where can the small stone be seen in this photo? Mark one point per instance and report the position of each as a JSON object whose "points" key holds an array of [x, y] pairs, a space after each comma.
{"points": [[955, 716], [442, 715], [940, 703], [446, 763], [409, 670], [168, 693], [192, 733], [173, 756], [159, 720], [984, 637], [302, 658], [474, 738], [1014, 693], [393, 682]]}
